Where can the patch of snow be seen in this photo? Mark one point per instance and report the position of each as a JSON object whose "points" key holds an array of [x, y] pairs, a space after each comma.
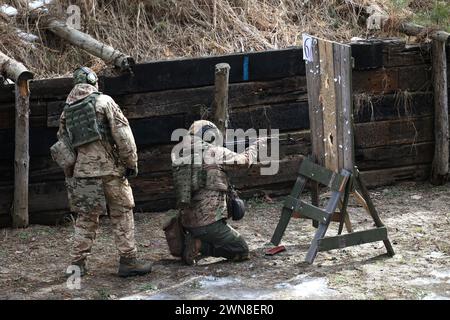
{"points": [[304, 287], [416, 197], [436, 255], [211, 282], [441, 274], [223, 288], [423, 281], [29, 37], [8, 10], [433, 296], [38, 3]]}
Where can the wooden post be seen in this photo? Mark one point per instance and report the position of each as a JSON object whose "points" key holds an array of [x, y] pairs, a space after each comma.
{"points": [[21, 155], [17, 72], [440, 167], [91, 45], [220, 107]]}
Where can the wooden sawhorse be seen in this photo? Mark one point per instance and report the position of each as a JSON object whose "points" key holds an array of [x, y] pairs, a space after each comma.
{"points": [[328, 72]]}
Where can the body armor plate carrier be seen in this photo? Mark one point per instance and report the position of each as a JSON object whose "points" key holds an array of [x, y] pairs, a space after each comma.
{"points": [[82, 124], [189, 178]]}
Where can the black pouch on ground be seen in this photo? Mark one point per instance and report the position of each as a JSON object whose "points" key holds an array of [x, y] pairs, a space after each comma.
{"points": [[235, 205], [174, 232]]}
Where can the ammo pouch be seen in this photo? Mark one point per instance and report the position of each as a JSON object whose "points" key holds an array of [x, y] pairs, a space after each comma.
{"points": [[63, 154], [235, 205], [174, 232], [81, 121]]}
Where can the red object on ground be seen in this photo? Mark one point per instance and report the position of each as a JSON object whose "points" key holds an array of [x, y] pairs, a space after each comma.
{"points": [[275, 250]]}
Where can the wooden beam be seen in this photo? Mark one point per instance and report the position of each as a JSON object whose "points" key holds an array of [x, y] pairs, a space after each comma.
{"points": [[91, 45], [220, 106], [353, 239], [20, 217], [20, 75], [440, 165]]}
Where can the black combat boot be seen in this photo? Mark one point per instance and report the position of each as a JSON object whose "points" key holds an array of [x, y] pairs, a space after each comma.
{"points": [[81, 264], [130, 267]]}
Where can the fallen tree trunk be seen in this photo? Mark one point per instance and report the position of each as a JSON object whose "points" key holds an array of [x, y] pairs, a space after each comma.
{"points": [[378, 19], [91, 45], [13, 69]]}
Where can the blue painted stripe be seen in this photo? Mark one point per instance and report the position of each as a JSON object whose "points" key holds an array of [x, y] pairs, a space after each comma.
{"points": [[245, 69]]}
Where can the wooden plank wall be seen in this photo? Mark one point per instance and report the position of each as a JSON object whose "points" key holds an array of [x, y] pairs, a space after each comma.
{"points": [[393, 115]]}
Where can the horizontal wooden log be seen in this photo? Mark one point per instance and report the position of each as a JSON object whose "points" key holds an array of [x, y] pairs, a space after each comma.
{"points": [[198, 72], [389, 80], [393, 132], [389, 156], [196, 100], [394, 56], [390, 176], [393, 106], [41, 139], [88, 43]]}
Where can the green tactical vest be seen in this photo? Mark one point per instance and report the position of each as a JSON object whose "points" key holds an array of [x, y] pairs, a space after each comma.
{"points": [[189, 178], [82, 124]]}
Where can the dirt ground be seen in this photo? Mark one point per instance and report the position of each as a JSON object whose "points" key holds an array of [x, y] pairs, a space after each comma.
{"points": [[32, 261]]}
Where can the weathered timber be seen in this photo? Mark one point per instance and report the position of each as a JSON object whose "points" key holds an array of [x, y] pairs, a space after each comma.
{"points": [[20, 218], [198, 72], [219, 112], [440, 166], [392, 106], [394, 56], [41, 140], [20, 75], [151, 104], [398, 156], [13, 69], [394, 132], [88, 43], [389, 80], [413, 29]]}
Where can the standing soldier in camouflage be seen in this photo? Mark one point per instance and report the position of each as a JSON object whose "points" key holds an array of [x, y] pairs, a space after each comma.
{"points": [[205, 218], [106, 155]]}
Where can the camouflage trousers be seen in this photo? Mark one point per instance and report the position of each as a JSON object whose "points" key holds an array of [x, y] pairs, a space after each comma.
{"points": [[219, 239], [92, 197]]}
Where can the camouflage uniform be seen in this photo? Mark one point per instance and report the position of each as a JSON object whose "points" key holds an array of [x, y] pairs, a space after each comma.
{"points": [[205, 218], [97, 181]]}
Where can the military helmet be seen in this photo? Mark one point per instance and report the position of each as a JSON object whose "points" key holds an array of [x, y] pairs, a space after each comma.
{"points": [[84, 75], [200, 127]]}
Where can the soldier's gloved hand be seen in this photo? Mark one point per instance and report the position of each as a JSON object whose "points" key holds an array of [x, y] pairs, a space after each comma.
{"points": [[131, 172]]}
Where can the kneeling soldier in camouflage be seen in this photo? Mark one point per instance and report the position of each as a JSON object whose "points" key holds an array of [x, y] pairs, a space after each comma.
{"points": [[204, 215], [94, 127]]}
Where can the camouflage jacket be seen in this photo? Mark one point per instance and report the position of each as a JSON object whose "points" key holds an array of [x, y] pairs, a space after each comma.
{"points": [[102, 158], [209, 206]]}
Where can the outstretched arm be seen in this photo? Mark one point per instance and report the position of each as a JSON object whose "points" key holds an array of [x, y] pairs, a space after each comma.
{"points": [[227, 157]]}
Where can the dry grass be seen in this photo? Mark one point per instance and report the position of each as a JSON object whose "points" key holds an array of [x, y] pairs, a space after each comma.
{"points": [[164, 29]]}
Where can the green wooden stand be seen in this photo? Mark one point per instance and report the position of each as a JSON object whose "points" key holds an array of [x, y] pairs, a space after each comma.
{"points": [[342, 186]]}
